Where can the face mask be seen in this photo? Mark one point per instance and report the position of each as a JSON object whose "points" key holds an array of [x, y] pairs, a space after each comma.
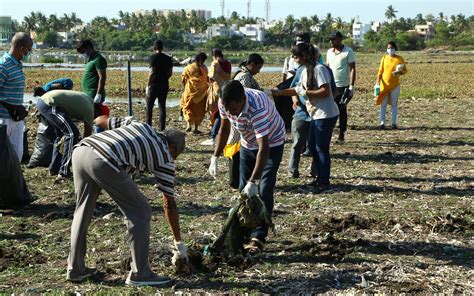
{"points": [[391, 51], [85, 55]]}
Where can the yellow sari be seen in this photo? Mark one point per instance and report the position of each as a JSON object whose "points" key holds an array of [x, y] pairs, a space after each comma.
{"points": [[388, 81], [193, 100], [218, 77]]}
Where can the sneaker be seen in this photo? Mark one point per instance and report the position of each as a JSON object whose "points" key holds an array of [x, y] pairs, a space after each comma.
{"points": [[307, 153], [394, 126], [255, 246], [208, 142], [71, 276], [322, 189], [60, 178], [382, 126], [152, 280], [340, 139]]}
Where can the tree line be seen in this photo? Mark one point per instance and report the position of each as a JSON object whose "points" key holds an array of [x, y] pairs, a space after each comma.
{"points": [[130, 31]]}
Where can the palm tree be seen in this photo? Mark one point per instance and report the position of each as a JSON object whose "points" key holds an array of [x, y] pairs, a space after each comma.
{"points": [[29, 22], [53, 23], [390, 13]]}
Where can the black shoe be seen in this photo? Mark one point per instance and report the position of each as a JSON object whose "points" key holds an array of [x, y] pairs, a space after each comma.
{"points": [[322, 189], [340, 139], [71, 276], [294, 175], [307, 153], [382, 127], [394, 126]]}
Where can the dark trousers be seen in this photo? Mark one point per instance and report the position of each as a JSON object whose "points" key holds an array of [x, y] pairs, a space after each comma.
{"points": [[63, 127], [342, 109], [160, 92], [299, 134], [267, 181], [320, 133]]}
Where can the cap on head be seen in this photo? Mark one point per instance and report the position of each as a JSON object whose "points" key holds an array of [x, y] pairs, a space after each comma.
{"points": [[336, 35]]}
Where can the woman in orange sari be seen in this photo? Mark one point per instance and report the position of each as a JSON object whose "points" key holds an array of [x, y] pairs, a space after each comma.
{"points": [[193, 100]]}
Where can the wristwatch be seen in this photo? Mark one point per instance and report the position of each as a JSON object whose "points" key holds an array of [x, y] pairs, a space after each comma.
{"points": [[256, 182]]}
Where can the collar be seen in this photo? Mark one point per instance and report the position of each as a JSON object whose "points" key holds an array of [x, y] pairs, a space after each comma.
{"points": [[342, 49], [11, 57], [246, 106], [92, 56]]}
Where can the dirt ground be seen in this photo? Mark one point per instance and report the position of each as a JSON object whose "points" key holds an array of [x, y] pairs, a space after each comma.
{"points": [[399, 219]]}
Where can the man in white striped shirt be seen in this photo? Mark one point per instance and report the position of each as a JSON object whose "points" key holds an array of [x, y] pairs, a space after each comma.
{"points": [[107, 160], [263, 134]]}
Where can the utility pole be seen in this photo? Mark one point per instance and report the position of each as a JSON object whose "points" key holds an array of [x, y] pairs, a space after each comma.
{"points": [[267, 10], [222, 7], [248, 9]]}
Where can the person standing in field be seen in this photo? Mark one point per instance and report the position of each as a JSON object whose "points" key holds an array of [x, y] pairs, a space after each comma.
{"points": [[253, 114], [392, 66], [193, 101], [161, 69], [12, 87], [94, 77], [341, 60]]}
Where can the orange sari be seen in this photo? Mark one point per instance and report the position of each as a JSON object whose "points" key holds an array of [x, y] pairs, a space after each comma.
{"points": [[193, 100]]}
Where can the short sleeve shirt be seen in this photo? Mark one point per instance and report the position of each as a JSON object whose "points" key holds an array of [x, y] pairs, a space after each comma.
{"points": [[66, 83], [160, 64], [12, 82], [258, 119], [339, 64], [320, 108], [78, 105], [90, 78]]}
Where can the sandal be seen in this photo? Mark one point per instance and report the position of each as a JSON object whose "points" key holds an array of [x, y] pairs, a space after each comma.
{"points": [[255, 246]]}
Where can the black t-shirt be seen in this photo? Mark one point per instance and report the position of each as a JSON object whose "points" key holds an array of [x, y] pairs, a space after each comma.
{"points": [[161, 64]]}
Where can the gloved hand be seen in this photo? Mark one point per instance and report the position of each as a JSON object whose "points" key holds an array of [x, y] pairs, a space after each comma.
{"points": [[300, 91], [98, 99], [251, 189], [352, 89], [180, 254], [213, 166], [147, 91]]}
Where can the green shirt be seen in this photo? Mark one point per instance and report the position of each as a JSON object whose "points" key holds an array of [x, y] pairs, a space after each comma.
{"points": [[78, 105], [90, 78]]}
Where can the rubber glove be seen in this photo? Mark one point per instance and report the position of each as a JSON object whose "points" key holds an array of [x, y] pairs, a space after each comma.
{"points": [[213, 166], [251, 189]]}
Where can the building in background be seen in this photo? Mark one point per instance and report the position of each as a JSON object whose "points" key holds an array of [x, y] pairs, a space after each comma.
{"points": [[6, 29], [202, 13], [359, 30], [425, 31], [254, 32]]}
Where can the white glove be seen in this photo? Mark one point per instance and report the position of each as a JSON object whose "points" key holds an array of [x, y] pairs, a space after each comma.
{"points": [[180, 253], [352, 89], [268, 92], [213, 166], [251, 189], [98, 99], [147, 91], [300, 91]]}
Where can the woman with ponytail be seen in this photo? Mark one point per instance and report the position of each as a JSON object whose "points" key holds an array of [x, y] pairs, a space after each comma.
{"points": [[314, 92]]}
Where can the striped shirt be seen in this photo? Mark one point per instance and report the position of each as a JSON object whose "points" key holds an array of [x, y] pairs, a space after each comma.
{"points": [[259, 118], [12, 82], [136, 148]]}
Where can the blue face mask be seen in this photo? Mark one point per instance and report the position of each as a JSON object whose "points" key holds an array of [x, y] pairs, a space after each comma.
{"points": [[26, 57]]}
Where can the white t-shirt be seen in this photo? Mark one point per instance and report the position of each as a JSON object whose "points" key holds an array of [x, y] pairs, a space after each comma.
{"points": [[320, 108], [339, 64], [289, 67]]}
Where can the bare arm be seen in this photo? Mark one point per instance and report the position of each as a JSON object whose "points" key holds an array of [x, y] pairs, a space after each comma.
{"points": [[102, 78], [222, 136], [262, 156], [151, 75], [102, 122], [352, 68], [322, 92], [172, 216]]}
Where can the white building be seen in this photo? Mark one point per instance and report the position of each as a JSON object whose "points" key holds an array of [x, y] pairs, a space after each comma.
{"points": [[426, 31], [219, 31], [195, 38], [206, 14], [376, 26], [254, 32], [359, 30], [67, 38]]}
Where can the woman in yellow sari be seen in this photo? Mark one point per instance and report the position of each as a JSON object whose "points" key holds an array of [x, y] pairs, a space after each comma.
{"points": [[193, 100], [388, 78]]}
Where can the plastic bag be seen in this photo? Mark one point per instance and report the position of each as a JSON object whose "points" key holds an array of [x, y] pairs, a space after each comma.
{"points": [[43, 150], [13, 189]]}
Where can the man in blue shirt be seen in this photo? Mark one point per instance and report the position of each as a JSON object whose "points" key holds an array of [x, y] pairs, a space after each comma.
{"points": [[61, 83], [12, 87]]}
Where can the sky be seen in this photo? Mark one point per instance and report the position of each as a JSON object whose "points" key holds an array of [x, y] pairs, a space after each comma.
{"points": [[365, 11]]}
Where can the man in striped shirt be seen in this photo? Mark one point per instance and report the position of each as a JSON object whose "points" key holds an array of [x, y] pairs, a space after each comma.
{"points": [[263, 135], [12, 86], [107, 160]]}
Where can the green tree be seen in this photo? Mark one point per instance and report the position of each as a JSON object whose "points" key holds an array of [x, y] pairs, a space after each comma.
{"points": [[49, 38], [390, 13]]}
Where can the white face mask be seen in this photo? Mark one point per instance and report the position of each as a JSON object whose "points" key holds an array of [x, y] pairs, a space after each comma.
{"points": [[85, 55], [391, 51]]}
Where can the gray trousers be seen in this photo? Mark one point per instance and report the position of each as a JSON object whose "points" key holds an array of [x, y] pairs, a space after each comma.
{"points": [[299, 134], [91, 173]]}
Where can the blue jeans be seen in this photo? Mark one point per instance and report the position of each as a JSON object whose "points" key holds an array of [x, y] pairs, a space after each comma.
{"points": [[216, 125], [64, 127], [299, 134], [267, 181], [320, 133]]}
